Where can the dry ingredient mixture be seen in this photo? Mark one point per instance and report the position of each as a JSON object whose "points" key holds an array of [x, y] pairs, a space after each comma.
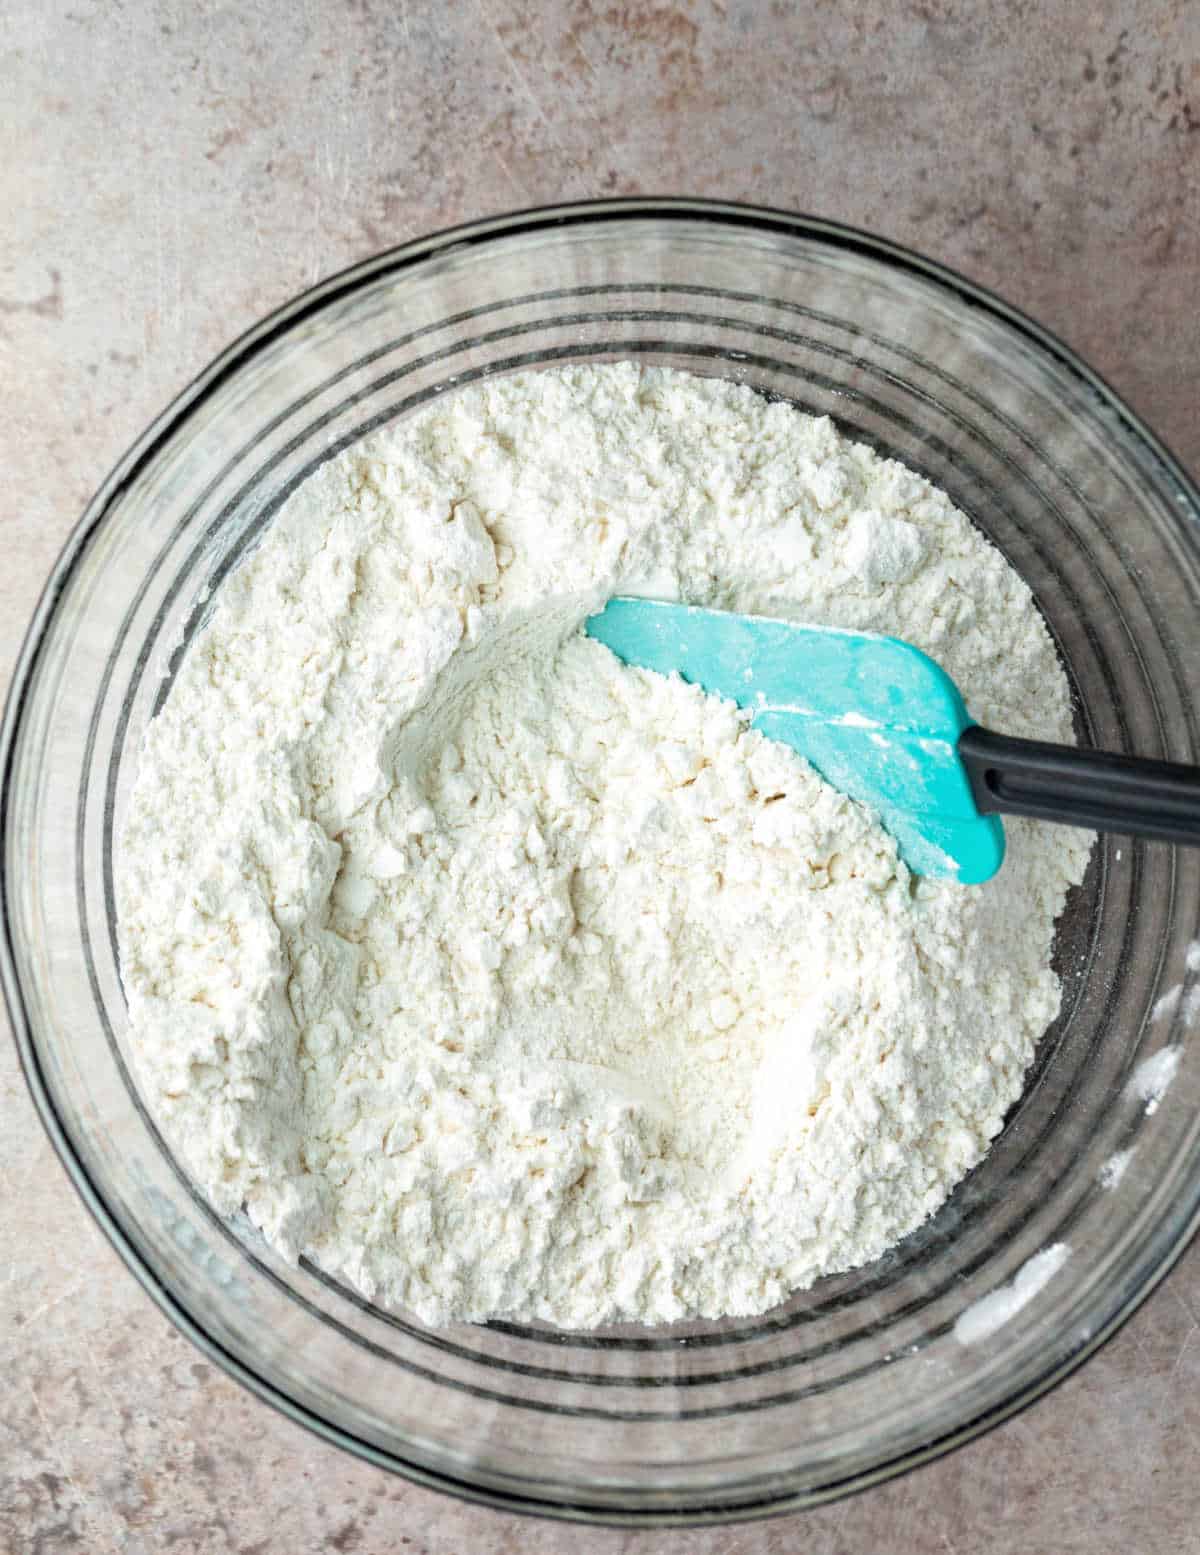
{"points": [[502, 979]]}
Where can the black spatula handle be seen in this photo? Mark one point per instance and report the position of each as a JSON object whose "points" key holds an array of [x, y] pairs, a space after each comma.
{"points": [[1097, 789]]}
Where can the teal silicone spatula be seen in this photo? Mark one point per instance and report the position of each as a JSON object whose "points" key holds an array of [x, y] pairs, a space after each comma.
{"points": [[884, 723]]}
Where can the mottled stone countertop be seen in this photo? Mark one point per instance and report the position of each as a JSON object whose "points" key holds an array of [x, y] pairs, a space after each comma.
{"points": [[170, 172]]}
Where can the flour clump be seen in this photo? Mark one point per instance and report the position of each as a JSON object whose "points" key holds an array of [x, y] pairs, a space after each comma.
{"points": [[501, 979]]}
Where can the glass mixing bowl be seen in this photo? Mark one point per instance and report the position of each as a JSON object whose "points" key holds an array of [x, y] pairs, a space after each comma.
{"points": [[869, 1372]]}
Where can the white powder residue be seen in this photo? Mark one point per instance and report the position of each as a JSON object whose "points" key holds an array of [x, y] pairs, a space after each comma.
{"points": [[502, 979], [1115, 1168], [1179, 997], [1165, 1007], [985, 1316], [1152, 1077]]}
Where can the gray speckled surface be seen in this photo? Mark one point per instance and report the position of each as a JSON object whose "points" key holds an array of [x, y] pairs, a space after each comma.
{"points": [[167, 173]]}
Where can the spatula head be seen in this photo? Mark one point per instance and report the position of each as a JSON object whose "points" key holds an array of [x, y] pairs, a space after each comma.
{"points": [[875, 716]]}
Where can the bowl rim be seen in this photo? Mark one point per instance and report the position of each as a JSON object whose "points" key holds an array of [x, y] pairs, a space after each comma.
{"points": [[225, 366]]}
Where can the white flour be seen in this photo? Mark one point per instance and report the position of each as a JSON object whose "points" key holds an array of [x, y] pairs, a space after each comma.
{"points": [[502, 979], [1152, 1078], [990, 1313]]}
